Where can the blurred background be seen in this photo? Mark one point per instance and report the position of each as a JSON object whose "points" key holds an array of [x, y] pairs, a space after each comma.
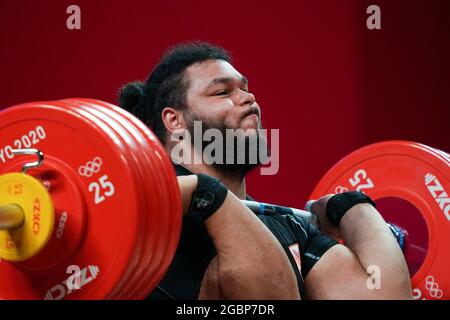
{"points": [[320, 76]]}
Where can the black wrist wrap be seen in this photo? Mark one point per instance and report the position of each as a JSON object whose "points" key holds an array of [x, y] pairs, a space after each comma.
{"points": [[208, 197], [339, 204]]}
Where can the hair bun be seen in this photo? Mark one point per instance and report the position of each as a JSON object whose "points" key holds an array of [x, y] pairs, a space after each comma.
{"points": [[131, 96]]}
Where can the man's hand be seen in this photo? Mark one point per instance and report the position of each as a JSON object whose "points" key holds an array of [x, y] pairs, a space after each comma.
{"points": [[342, 272], [318, 207]]}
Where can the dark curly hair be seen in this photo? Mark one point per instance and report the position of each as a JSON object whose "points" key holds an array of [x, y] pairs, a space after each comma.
{"points": [[167, 84]]}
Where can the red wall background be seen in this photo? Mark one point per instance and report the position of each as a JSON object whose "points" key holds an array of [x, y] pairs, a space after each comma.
{"points": [[327, 82]]}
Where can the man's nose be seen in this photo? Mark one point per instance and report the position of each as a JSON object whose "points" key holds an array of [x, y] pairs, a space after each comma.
{"points": [[246, 98]]}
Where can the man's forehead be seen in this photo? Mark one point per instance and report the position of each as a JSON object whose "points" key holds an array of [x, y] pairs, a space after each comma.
{"points": [[203, 73]]}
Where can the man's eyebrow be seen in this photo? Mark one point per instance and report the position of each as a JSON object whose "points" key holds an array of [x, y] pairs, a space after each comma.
{"points": [[225, 80]]}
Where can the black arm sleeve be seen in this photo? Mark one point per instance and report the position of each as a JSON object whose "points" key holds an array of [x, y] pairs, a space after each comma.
{"points": [[316, 246]]}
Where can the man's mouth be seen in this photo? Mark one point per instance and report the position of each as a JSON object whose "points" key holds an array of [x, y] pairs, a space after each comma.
{"points": [[252, 113], [252, 116]]}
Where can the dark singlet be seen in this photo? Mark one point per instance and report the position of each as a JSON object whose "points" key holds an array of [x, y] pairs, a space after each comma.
{"points": [[302, 242]]}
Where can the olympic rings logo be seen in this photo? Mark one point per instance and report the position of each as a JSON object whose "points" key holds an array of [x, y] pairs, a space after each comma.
{"points": [[90, 167], [432, 286]]}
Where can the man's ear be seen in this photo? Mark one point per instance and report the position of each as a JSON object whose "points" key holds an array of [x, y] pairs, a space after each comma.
{"points": [[173, 119]]}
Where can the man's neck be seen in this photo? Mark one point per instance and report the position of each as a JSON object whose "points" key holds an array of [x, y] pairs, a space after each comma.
{"points": [[235, 184]]}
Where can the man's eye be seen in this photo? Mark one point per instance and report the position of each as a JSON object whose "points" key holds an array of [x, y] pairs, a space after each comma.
{"points": [[221, 93]]}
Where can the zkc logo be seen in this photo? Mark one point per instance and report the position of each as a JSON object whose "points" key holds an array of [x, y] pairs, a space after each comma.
{"points": [[438, 193]]}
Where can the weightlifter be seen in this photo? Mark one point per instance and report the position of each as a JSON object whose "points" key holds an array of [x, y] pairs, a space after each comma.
{"points": [[224, 251]]}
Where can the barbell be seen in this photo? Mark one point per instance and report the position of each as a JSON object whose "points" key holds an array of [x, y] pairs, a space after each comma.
{"points": [[90, 206]]}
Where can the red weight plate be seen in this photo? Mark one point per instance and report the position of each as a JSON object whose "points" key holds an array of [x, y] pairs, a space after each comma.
{"points": [[151, 255], [116, 132], [169, 191], [419, 179], [153, 216], [108, 186]]}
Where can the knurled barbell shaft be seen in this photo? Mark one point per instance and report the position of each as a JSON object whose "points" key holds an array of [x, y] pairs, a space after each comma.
{"points": [[11, 217]]}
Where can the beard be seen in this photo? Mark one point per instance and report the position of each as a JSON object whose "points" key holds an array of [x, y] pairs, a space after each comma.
{"points": [[242, 161]]}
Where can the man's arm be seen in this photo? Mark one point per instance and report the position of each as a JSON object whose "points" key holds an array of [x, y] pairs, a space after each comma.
{"points": [[342, 272], [250, 263]]}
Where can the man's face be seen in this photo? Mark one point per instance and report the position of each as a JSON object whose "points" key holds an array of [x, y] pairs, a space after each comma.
{"points": [[218, 95]]}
